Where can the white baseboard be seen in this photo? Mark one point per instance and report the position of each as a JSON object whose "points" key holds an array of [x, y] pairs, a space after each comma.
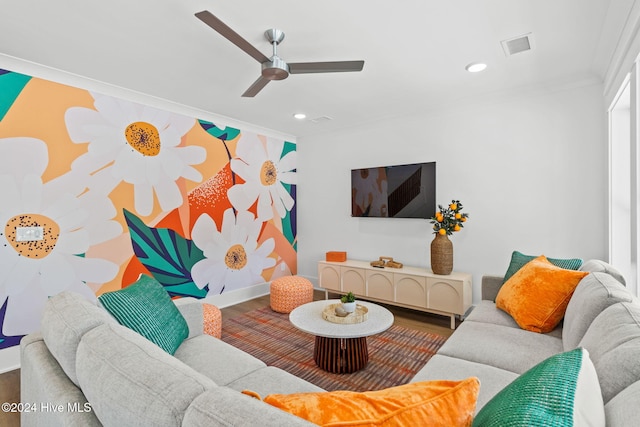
{"points": [[235, 297], [245, 294]]}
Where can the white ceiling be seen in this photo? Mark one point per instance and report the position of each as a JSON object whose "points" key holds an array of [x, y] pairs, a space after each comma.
{"points": [[415, 51]]}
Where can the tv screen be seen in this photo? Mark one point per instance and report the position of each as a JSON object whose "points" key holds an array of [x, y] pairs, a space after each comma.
{"points": [[400, 191]]}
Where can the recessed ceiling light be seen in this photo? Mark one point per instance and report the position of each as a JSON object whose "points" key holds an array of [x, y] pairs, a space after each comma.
{"points": [[475, 67], [300, 116]]}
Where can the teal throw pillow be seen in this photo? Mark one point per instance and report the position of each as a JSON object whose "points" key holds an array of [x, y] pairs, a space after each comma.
{"points": [[146, 308], [562, 390], [518, 260]]}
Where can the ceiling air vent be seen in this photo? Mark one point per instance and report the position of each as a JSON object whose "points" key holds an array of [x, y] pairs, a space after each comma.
{"points": [[517, 44], [321, 119]]}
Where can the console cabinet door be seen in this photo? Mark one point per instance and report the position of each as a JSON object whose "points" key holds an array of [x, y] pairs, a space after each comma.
{"points": [[411, 290], [380, 285], [329, 276], [353, 280], [445, 295]]}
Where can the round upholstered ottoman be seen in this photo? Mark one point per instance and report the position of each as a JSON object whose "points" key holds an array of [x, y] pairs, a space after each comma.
{"points": [[290, 292], [212, 320]]}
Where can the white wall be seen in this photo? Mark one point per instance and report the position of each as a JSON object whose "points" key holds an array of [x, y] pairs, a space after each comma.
{"points": [[530, 170]]}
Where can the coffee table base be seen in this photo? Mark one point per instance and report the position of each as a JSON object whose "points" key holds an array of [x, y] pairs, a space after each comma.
{"points": [[341, 355]]}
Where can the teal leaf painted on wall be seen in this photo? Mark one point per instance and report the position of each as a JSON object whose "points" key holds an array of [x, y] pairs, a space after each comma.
{"points": [[289, 220], [11, 84], [289, 224], [168, 256], [288, 146], [226, 134]]}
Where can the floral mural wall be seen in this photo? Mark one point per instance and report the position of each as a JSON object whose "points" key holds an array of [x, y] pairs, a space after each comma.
{"points": [[119, 189]]}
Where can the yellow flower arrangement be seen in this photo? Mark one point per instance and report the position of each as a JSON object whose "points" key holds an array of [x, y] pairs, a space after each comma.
{"points": [[450, 219]]}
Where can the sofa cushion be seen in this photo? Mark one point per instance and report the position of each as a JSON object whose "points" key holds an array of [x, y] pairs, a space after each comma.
{"points": [[67, 317], [146, 308], [613, 341], [596, 265], [193, 313], [623, 409], [513, 349], [487, 312], [593, 294], [503, 347], [518, 260], [130, 381], [271, 380], [537, 295], [492, 379], [443, 403], [216, 359], [226, 407], [560, 391]]}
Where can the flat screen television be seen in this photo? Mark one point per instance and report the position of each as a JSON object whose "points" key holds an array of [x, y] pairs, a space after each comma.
{"points": [[399, 191]]}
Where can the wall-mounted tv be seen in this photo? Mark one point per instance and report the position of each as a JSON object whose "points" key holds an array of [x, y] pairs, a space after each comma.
{"points": [[400, 191]]}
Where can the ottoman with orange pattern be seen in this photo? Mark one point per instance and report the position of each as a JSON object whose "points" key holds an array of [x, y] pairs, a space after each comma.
{"points": [[290, 292], [212, 320]]}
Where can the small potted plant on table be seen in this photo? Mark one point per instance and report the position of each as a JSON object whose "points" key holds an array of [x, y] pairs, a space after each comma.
{"points": [[348, 302]]}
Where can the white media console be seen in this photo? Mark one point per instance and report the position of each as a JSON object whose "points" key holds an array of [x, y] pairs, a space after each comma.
{"points": [[411, 287]]}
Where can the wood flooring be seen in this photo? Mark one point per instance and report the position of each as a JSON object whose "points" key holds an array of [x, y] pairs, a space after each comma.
{"points": [[10, 381], [10, 392]]}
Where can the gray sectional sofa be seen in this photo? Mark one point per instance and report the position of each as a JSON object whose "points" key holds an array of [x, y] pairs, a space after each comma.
{"points": [[602, 317], [97, 372], [84, 369]]}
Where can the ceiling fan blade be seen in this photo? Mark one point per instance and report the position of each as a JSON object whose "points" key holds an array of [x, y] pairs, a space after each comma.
{"points": [[325, 67], [256, 87], [235, 38]]}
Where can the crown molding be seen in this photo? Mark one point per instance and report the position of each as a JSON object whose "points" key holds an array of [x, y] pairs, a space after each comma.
{"points": [[56, 75], [627, 48]]}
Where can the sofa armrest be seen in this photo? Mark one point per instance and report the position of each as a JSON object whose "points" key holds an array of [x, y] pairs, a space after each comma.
{"points": [[491, 286], [44, 386], [191, 310]]}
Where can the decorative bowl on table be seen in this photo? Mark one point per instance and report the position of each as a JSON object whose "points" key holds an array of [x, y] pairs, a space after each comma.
{"points": [[330, 313]]}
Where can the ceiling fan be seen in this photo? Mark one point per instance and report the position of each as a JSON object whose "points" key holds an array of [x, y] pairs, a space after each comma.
{"points": [[274, 68]]}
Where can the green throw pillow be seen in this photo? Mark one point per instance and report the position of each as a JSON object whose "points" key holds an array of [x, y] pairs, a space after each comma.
{"points": [[146, 308], [518, 260], [562, 390]]}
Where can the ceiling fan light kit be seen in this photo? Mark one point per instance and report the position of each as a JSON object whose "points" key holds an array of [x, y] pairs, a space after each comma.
{"points": [[274, 68]]}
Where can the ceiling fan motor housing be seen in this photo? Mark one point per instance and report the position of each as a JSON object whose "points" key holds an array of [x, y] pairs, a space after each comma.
{"points": [[275, 69]]}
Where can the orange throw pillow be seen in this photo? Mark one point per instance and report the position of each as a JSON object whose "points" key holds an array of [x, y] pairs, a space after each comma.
{"points": [[538, 294], [425, 403]]}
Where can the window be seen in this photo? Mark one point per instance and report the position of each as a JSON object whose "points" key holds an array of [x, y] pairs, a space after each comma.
{"points": [[623, 182]]}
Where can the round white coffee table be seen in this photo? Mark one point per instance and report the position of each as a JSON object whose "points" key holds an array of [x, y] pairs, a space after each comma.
{"points": [[340, 348]]}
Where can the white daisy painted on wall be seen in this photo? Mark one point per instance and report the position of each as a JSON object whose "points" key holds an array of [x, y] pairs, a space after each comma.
{"points": [[33, 270], [137, 144], [264, 173], [117, 188], [233, 257]]}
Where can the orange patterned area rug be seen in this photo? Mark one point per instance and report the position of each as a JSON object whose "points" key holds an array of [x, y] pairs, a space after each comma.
{"points": [[394, 355]]}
